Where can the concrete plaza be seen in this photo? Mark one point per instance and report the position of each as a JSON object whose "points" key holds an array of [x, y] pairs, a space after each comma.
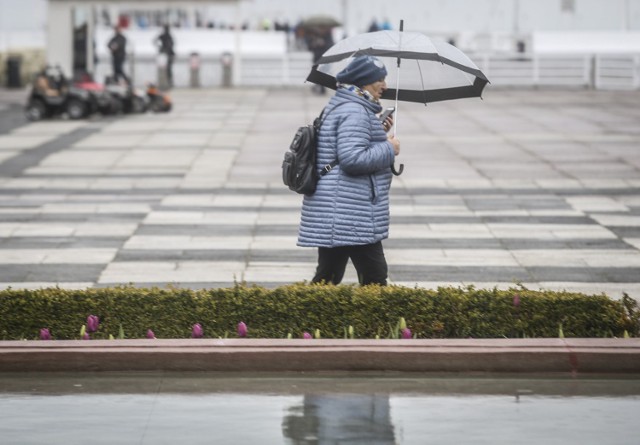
{"points": [[538, 187]]}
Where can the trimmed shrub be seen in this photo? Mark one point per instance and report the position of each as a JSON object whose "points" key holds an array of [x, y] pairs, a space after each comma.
{"points": [[447, 312]]}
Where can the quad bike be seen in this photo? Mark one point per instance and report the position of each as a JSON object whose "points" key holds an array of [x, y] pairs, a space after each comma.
{"points": [[114, 98], [51, 96], [131, 100], [159, 102], [102, 101]]}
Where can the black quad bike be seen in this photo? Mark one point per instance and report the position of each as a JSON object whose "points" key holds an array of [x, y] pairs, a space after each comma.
{"points": [[129, 99]]}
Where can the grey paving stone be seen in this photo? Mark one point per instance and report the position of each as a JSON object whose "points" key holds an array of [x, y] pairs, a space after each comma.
{"points": [[194, 230], [61, 242], [459, 274], [585, 275], [71, 217], [478, 204], [626, 232], [15, 166], [11, 118], [436, 243], [533, 219], [182, 255], [52, 273]]}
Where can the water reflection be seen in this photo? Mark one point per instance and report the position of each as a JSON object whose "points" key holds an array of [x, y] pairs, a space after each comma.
{"points": [[340, 418], [204, 408]]}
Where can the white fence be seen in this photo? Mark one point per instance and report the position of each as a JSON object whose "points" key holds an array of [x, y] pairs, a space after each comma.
{"points": [[617, 72]]}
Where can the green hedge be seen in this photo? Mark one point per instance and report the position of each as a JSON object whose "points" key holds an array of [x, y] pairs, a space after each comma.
{"points": [[274, 313]]}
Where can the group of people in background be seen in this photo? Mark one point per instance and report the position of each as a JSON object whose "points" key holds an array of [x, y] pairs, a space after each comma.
{"points": [[316, 40], [118, 49]]}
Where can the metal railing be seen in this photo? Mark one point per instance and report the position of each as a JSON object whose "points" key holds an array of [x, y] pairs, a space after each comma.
{"points": [[598, 71]]}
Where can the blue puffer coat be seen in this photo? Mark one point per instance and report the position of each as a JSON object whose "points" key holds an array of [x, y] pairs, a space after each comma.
{"points": [[351, 204]]}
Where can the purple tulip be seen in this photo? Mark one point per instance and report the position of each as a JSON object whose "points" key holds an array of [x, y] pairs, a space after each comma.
{"points": [[307, 336], [45, 334], [92, 323], [242, 329], [406, 333], [516, 301], [196, 331], [86, 336], [150, 334]]}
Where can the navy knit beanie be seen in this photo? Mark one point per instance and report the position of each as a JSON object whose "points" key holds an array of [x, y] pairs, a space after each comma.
{"points": [[362, 70]]}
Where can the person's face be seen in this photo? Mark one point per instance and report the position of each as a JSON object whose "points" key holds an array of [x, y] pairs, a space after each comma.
{"points": [[376, 88]]}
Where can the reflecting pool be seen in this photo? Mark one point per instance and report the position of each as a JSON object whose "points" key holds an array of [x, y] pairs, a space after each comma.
{"points": [[214, 408]]}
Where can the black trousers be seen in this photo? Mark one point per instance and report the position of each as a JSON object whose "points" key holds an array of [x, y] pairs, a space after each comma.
{"points": [[170, 69], [368, 260], [118, 70]]}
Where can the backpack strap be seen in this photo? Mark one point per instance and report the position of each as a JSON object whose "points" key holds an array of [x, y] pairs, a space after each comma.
{"points": [[327, 168]]}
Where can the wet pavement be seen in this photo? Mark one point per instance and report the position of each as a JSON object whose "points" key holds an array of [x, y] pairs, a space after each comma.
{"points": [[212, 408], [540, 188]]}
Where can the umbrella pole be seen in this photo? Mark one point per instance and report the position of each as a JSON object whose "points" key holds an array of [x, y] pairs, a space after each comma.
{"points": [[395, 120], [395, 124]]}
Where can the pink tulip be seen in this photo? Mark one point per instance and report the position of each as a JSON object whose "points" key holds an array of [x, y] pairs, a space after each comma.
{"points": [[307, 336], [92, 323], [45, 334], [242, 329], [86, 336], [196, 331], [516, 300], [150, 334], [406, 333]]}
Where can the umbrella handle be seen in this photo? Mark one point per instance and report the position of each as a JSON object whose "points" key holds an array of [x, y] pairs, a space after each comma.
{"points": [[397, 172]]}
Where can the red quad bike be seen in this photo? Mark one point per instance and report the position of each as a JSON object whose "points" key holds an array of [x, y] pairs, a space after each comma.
{"points": [[51, 95]]}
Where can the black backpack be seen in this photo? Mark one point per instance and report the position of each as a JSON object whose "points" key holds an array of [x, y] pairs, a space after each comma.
{"points": [[299, 166]]}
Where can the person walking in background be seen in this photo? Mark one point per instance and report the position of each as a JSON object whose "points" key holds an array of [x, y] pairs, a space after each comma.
{"points": [[348, 215], [319, 39], [165, 44], [118, 48]]}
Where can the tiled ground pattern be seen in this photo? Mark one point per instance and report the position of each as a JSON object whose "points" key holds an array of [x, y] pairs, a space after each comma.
{"points": [[540, 188]]}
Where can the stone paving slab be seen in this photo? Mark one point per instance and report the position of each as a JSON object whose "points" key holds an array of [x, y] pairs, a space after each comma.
{"points": [[549, 356], [540, 188]]}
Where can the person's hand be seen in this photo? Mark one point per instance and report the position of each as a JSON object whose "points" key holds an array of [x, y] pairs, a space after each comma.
{"points": [[396, 144], [388, 123]]}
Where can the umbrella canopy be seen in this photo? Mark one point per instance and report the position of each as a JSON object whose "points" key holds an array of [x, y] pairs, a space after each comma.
{"points": [[432, 70], [321, 21]]}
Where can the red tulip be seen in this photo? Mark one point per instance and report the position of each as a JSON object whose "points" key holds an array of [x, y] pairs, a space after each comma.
{"points": [[242, 329], [196, 331], [516, 300], [92, 323]]}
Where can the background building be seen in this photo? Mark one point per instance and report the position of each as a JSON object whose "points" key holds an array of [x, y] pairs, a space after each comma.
{"points": [[73, 33]]}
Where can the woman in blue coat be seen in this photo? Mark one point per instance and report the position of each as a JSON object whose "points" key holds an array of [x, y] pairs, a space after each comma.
{"points": [[348, 215]]}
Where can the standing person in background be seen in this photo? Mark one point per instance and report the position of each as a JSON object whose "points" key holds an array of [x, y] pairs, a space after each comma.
{"points": [[348, 215], [165, 42], [118, 47], [319, 39]]}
